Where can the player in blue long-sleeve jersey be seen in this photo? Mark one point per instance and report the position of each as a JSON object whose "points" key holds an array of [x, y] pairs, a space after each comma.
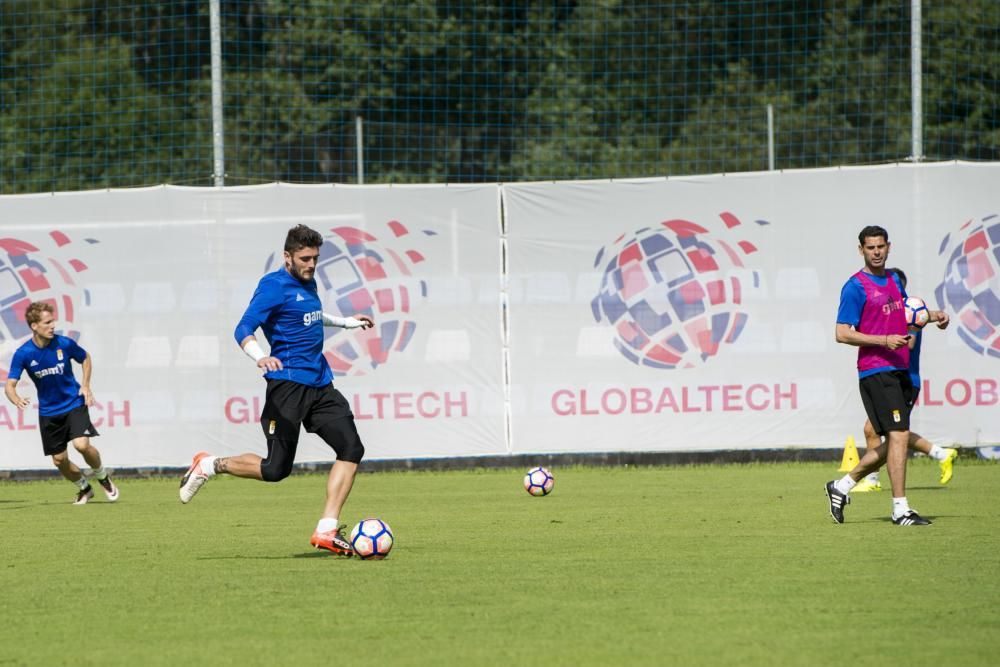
{"points": [[287, 308], [63, 403]]}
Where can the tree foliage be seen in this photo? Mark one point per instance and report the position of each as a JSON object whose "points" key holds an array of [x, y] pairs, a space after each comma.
{"points": [[100, 95]]}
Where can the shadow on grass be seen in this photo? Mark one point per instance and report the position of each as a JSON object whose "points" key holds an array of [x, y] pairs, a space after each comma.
{"points": [[930, 517], [308, 554], [25, 504]]}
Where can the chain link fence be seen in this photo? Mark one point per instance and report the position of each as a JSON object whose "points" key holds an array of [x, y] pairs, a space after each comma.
{"points": [[117, 94]]}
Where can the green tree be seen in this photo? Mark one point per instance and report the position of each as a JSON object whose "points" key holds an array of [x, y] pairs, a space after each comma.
{"points": [[99, 95], [82, 126], [75, 114], [962, 80]]}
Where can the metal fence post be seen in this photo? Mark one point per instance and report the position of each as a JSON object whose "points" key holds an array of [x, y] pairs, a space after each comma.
{"points": [[359, 138], [218, 138], [916, 83], [770, 137]]}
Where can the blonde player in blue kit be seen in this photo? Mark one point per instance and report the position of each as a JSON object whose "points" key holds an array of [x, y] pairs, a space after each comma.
{"points": [[287, 309], [63, 414]]}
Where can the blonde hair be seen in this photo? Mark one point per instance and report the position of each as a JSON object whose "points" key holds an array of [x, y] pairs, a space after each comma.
{"points": [[33, 314]]}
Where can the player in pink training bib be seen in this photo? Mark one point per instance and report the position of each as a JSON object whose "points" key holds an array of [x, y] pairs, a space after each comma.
{"points": [[870, 317]]}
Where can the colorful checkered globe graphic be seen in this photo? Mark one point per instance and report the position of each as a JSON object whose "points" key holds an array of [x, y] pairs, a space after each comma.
{"points": [[44, 269], [358, 274], [674, 292], [970, 290]]}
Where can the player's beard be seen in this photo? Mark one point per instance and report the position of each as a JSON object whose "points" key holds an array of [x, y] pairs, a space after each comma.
{"points": [[297, 274], [876, 265]]}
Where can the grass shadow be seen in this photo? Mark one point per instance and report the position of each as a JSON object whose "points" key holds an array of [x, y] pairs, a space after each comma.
{"points": [[308, 554], [930, 517], [25, 504]]}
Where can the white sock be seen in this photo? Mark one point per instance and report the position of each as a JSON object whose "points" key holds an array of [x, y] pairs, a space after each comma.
{"points": [[82, 482], [872, 478], [207, 465], [844, 484], [327, 524], [100, 473], [899, 507], [939, 453]]}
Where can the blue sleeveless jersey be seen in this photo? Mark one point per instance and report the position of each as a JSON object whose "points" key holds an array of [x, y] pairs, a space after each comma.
{"points": [[290, 314], [50, 369]]}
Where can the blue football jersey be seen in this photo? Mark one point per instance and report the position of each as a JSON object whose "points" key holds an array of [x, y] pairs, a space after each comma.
{"points": [[852, 297], [290, 314], [50, 369], [915, 358], [852, 303]]}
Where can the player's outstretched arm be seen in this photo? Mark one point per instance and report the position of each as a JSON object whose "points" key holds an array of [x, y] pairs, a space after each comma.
{"points": [[941, 318], [362, 321], [10, 392], [253, 350]]}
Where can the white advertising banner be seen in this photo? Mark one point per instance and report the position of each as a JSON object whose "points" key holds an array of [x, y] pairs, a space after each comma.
{"points": [[699, 313], [649, 315], [152, 282]]}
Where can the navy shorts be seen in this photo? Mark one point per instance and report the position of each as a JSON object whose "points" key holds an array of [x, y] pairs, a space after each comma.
{"points": [[57, 431], [888, 398], [322, 410]]}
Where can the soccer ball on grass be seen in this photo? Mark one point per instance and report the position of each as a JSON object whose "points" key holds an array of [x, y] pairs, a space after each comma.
{"points": [[371, 539], [539, 481]]}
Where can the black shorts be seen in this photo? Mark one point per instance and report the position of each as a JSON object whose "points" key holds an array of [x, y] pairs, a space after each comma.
{"points": [[289, 405], [57, 431], [888, 398]]}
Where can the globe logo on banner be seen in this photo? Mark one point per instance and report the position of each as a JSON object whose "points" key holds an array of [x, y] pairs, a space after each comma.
{"points": [[30, 271], [971, 286], [359, 275], [674, 292]]}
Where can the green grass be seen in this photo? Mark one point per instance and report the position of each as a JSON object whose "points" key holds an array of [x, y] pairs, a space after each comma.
{"points": [[737, 565]]}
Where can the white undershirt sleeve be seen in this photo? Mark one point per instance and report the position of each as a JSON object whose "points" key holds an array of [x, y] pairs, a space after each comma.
{"points": [[343, 322], [253, 350]]}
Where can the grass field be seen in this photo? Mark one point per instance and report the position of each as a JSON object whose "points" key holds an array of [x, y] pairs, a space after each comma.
{"points": [[727, 565]]}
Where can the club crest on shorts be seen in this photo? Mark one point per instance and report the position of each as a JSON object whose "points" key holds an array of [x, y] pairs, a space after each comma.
{"points": [[271, 424], [895, 416]]}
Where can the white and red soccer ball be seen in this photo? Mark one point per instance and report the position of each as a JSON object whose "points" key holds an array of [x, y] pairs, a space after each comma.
{"points": [[371, 539], [916, 313], [539, 481]]}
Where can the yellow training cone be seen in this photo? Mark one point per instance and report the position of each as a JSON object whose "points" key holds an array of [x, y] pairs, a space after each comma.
{"points": [[850, 456]]}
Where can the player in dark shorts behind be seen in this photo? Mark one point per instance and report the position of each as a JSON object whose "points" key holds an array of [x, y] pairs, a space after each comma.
{"points": [[63, 414], [287, 308]]}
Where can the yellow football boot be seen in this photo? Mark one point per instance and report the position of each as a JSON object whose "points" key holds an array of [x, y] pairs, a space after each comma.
{"points": [[865, 485], [947, 465]]}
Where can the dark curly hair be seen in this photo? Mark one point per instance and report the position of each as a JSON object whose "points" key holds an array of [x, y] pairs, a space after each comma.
{"points": [[872, 231], [300, 237]]}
